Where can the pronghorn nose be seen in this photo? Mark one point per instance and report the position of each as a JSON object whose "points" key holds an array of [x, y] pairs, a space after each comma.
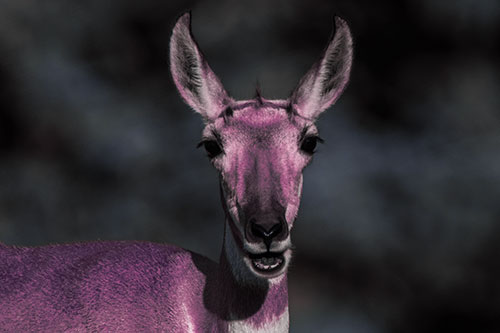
{"points": [[266, 232]]}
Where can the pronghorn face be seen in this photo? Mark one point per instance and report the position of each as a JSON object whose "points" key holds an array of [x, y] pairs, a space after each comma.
{"points": [[260, 147], [260, 150]]}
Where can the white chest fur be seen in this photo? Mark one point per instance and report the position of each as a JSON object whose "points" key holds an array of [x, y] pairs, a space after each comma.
{"points": [[279, 325]]}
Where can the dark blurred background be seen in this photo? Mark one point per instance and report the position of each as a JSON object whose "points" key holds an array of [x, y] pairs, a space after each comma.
{"points": [[398, 229]]}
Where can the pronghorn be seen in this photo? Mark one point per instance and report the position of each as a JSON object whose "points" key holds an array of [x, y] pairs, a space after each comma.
{"points": [[260, 148]]}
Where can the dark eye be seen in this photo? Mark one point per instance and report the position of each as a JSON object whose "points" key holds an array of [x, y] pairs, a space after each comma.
{"points": [[212, 147], [309, 143]]}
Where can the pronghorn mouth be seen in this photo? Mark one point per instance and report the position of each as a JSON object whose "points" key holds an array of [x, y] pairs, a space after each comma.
{"points": [[268, 262]]}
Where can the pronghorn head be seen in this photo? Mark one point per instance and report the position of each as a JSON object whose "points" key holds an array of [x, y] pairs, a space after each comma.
{"points": [[260, 147]]}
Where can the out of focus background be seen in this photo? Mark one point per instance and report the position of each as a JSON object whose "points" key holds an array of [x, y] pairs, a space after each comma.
{"points": [[399, 224]]}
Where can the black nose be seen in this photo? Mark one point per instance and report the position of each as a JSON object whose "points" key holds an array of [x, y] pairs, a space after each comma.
{"points": [[266, 232]]}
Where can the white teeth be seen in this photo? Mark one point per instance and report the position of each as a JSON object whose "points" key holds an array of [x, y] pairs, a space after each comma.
{"points": [[267, 266]]}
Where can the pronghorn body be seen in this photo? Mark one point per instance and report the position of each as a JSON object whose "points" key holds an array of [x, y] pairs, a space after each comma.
{"points": [[126, 287], [260, 148]]}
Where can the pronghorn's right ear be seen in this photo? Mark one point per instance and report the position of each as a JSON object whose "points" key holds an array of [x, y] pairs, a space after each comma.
{"points": [[196, 82], [326, 80]]}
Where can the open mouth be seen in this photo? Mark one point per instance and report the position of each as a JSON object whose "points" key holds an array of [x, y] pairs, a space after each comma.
{"points": [[267, 263]]}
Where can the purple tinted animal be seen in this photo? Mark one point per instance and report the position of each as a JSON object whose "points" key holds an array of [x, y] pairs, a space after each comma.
{"points": [[259, 148]]}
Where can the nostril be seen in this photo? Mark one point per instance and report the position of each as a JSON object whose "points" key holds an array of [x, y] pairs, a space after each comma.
{"points": [[257, 230], [275, 230]]}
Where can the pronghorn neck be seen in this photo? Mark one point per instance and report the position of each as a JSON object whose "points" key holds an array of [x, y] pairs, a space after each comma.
{"points": [[250, 304]]}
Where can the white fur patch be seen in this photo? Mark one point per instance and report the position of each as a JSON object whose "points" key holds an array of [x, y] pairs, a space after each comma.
{"points": [[279, 325]]}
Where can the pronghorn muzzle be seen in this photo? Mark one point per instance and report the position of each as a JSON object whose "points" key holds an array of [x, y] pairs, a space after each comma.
{"points": [[266, 230]]}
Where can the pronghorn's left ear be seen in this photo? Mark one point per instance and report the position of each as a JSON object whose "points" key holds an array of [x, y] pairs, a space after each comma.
{"points": [[196, 82], [326, 80]]}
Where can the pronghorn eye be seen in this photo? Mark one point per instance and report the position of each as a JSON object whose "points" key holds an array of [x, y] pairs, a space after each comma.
{"points": [[309, 143], [212, 147]]}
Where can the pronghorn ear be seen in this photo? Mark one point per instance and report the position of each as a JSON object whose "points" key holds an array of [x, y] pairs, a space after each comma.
{"points": [[196, 82], [326, 80]]}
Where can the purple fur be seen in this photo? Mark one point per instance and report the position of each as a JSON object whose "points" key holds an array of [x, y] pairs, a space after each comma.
{"points": [[118, 286], [134, 286]]}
